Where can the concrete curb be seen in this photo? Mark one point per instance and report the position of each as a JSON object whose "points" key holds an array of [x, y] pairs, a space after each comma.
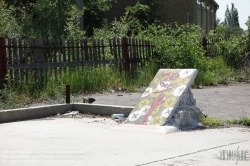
{"points": [[51, 110], [102, 109]]}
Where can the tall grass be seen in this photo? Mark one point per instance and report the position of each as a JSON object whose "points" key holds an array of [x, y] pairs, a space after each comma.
{"points": [[50, 83]]}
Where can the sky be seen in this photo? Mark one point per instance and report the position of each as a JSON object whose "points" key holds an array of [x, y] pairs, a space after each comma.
{"points": [[243, 7]]}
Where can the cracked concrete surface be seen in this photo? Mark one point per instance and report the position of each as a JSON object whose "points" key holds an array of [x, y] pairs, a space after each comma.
{"points": [[95, 142]]}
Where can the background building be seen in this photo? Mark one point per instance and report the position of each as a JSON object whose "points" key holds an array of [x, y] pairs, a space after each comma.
{"points": [[199, 12]]}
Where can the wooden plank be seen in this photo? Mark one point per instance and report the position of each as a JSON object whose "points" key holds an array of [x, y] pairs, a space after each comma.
{"points": [[50, 50], [59, 56], [45, 50], [3, 62], [86, 51], [115, 50], [77, 51], [134, 55], [138, 56], [35, 56], [148, 51], [143, 50], [118, 45], [130, 53], [40, 51], [125, 54], [21, 58], [10, 51], [54, 51], [72, 49], [35, 52], [119, 52], [15, 57], [110, 46], [94, 49], [81, 50], [103, 51], [26, 58], [58, 50], [140, 52], [90, 52], [68, 45], [98, 49], [63, 49]]}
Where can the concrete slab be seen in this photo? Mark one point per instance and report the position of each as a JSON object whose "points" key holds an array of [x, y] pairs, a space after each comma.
{"points": [[51, 110], [160, 100], [33, 112], [225, 102], [95, 142]]}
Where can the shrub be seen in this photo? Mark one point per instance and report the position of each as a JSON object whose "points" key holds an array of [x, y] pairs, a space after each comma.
{"points": [[245, 121]]}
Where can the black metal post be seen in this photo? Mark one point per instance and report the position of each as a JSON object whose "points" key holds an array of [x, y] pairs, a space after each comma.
{"points": [[67, 94]]}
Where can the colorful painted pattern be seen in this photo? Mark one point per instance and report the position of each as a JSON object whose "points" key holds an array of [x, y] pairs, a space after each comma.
{"points": [[161, 98]]}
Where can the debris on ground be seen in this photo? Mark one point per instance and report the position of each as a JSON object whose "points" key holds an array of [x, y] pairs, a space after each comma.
{"points": [[118, 118], [88, 100]]}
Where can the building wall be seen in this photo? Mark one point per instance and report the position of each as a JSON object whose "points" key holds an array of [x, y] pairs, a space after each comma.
{"points": [[206, 15], [118, 8], [171, 11], [199, 15]]}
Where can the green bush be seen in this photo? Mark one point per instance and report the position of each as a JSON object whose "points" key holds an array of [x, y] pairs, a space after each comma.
{"points": [[176, 47], [231, 48], [180, 47], [245, 121], [209, 121]]}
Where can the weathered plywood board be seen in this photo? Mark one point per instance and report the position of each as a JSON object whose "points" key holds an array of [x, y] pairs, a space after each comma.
{"points": [[162, 97]]}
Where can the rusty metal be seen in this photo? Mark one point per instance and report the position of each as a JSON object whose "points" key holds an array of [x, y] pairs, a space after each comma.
{"points": [[67, 94]]}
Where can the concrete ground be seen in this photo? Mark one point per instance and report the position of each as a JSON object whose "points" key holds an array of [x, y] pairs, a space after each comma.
{"points": [[225, 102], [101, 142]]}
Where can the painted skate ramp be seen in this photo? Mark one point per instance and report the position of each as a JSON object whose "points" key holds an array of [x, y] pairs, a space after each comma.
{"points": [[160, 100]]}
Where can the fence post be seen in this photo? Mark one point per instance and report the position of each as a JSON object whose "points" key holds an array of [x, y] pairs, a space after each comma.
{"points": [[67, 94], [2, 61], [125, 53]]}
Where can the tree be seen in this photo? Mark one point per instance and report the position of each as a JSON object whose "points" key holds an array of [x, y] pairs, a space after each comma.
{"points": [[8, 23], [248, 24], [52, 18], [140, 16], [232, 22], [248, 34], [94, 14], [232, 17]]}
